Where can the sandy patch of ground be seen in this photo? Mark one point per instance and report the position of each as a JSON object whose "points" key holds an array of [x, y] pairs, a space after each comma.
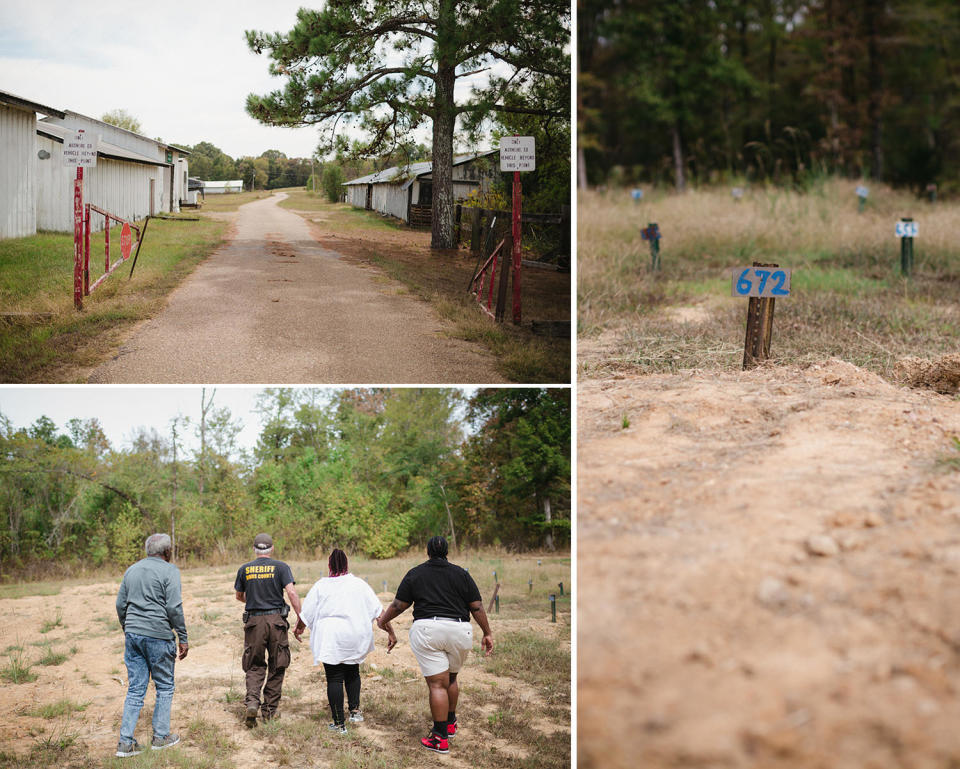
{"points": [[770, 568], [210, 682]]}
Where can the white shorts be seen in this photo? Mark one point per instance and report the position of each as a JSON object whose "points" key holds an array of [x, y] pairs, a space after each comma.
{"points": [[440, 644]]}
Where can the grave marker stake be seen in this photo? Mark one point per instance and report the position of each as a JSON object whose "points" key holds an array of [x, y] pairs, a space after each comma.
{"points": [[906, 246], [652, 233], [762, 286], [553, 607]]}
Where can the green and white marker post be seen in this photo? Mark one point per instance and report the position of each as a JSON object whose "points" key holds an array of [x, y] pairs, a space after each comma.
{"points": [[906, 231], [862, 193]]}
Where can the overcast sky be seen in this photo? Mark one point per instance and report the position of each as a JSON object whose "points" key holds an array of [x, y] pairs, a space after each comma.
{"points": [[181, 68], [123, 409]]}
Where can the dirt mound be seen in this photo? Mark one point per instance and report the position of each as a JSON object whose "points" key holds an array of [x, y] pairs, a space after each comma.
{"points": [[941, 375], [772, 558]]}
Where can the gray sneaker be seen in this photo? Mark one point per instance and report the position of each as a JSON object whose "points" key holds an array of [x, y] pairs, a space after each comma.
{"points": [[356, 716], [127, 748], [337, 728], [159, 743]]}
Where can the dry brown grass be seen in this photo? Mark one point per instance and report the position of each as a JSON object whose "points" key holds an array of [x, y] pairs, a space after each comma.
{"points": [[848, 297]]}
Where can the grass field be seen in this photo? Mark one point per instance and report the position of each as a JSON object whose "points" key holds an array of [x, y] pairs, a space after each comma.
{"points": [[43, 338], [60, 700], [848, 298], [441, 278]]}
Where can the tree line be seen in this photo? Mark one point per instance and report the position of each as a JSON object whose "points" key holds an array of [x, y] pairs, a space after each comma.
{"points": [[374, 471], [707, 90]]}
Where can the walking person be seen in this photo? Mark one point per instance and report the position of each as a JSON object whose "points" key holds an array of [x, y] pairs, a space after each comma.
{"points": [[443, 597], [150, 610], [261, 585], [339, 611]]}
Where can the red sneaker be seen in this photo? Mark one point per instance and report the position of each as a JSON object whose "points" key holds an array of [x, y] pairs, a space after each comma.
{"points": [[451, 729], [435, 743]]}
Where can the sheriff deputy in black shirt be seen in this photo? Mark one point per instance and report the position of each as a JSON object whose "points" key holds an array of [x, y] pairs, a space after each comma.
{"points": [[443, 597], [261, 584]]}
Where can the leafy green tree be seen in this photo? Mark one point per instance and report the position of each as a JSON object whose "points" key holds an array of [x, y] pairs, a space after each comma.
{"points": [[122, 119], [332, 180], [394, 64]]}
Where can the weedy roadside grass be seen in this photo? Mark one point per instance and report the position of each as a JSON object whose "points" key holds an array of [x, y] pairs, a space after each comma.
{"points": [[848, 298], [441, 278], [57, 709], [229, 202], [17, 671], [43, 338]]}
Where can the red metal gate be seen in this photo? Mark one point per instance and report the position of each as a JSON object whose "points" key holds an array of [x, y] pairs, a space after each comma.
{"points": [[81, 270]]}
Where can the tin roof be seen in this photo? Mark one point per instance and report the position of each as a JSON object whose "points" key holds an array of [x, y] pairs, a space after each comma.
{"points": [[18, 101], [406, 174], [104, 149]]}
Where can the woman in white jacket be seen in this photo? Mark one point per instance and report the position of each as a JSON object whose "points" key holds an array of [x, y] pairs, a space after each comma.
{"points": [[340, 610]]}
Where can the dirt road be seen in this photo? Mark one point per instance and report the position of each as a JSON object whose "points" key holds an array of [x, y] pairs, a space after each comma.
{"points": [[772, 561], [273, 305]]}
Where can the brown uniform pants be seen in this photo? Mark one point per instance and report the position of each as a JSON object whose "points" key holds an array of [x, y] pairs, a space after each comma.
{"points": [[265, 638]]}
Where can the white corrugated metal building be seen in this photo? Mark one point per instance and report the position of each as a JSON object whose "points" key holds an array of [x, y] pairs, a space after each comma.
{"points": [[18, 164], [221, 188], [135, 176], [394, 191]]}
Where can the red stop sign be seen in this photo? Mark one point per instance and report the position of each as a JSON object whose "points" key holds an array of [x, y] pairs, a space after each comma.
{"points": [[126, 241]]}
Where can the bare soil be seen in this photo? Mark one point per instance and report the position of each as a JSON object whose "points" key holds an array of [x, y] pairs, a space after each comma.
{"points": [[210, 684], [770, 567]]}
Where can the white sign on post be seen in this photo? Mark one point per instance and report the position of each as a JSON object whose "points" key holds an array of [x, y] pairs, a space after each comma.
{"points": [[517, 153], [80, 150], [907, 229]]}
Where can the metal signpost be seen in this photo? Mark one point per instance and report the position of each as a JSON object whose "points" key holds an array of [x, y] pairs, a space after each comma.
{"points": [[762, 283], [906, 230], [862, 193], [79, 150], [517, 154]]}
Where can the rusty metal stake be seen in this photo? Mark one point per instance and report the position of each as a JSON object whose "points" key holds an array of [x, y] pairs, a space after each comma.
{"points": [[143, 234], [756, 347]]}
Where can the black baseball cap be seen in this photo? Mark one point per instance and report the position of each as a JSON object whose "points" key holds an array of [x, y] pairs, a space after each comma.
{"points": [[262, 542]]}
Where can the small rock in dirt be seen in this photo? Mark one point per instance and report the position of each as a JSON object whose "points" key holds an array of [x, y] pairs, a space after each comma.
{"points": [[872, 520], [772, 592], [822, 545]]}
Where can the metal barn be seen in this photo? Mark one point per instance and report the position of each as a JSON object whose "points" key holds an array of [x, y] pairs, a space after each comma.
{"points": [[135, 176], [18, 164], [405, 191]]}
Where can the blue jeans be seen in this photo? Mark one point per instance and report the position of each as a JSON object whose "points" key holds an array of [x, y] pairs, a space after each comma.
{"points": [[146, 657]]}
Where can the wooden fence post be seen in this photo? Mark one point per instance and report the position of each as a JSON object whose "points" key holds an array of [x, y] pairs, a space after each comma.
{"points": [[475, 235], [756, 347]]}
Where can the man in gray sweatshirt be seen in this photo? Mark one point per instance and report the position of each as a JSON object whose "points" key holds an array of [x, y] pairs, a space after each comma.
{"points": [[150, 608]]}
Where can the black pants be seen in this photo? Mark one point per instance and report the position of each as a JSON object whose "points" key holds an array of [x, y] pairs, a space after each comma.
{"points": [[338, 677]]}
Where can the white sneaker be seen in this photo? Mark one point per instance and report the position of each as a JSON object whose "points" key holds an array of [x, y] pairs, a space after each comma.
{"points": [[356, 716]]}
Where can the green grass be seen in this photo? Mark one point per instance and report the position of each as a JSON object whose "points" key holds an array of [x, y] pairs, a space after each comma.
{"points": [[18, 670], [57, 709], [226, 203], [51, 657], [26, 589], [538, 660], [53, 622], [47, 340], [343, 216]]}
